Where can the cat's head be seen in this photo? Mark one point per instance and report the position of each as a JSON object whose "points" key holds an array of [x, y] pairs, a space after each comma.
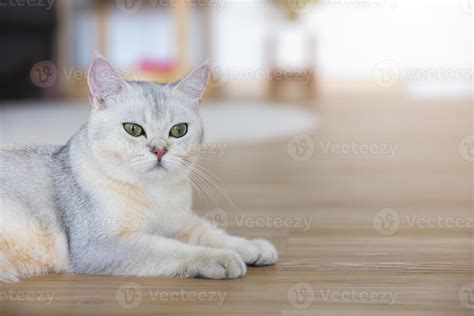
{"points": [[144, 129]]}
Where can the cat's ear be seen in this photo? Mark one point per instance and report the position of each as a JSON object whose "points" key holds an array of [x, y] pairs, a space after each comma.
{"points": [[104, 81], [194, 84]]}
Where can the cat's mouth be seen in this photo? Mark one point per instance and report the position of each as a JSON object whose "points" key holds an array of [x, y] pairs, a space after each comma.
{"points": [[159, 165]]}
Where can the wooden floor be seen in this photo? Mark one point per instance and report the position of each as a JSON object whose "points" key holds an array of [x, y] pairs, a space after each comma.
{"points": [[389, 232]]}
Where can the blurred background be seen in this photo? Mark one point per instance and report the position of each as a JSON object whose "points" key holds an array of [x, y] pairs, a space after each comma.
{"points": [[270, 58], [353, 116]]}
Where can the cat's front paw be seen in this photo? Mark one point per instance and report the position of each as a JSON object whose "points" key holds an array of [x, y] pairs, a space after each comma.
{"points": [[257, 252], [218, 264]]}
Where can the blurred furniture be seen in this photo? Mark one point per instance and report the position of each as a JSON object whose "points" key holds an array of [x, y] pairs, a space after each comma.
{"points": [[283, 79], [27, 34], [305, 78], [291, 51], [147, 69]]}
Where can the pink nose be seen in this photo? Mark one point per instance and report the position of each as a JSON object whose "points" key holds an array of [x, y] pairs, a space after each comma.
{"points": [[160, 152]]}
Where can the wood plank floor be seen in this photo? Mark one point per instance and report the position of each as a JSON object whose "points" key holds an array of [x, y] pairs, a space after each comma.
{"points": [[372, 215]]}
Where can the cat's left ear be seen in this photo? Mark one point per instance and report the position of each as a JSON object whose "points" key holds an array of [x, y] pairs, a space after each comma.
{"points": [[194, 84], [104, 81]]}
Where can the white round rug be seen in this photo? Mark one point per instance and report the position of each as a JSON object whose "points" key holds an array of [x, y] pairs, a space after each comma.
{"points": [[248, 122]]}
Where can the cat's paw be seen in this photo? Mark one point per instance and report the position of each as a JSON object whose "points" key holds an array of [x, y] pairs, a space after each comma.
{"points": [[257, 252], [218, 264]]}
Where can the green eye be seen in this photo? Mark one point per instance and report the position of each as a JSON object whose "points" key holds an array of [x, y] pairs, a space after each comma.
{"points": [[179, 130], [134, 129]]}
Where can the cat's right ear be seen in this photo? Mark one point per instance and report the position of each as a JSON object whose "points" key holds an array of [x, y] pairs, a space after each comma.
{"points": [[104, 81]]}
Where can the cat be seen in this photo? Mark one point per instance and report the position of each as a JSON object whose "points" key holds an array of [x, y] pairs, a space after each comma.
{"points": [[116, 200]]}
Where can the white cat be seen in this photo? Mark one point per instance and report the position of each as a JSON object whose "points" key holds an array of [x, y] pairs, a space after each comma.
{"points": [[116, 199]]}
